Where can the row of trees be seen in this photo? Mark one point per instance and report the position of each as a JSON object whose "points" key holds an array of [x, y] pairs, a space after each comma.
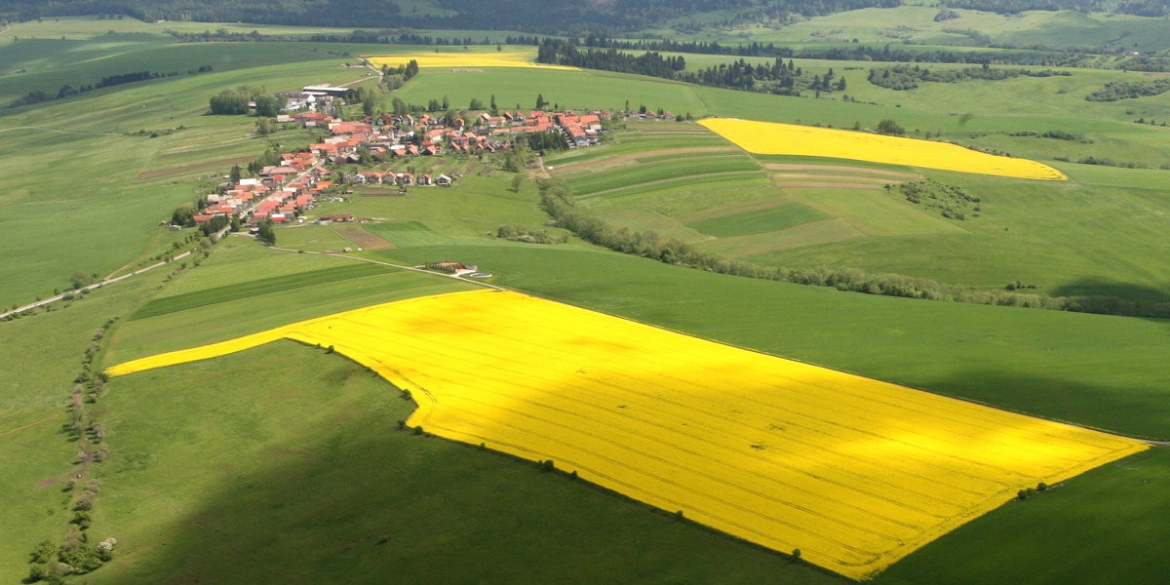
{"points": [[74, 554], [778, 77], [67, 90]]}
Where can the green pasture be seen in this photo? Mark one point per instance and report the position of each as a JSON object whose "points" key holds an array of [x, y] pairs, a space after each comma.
{"points": [[1100, 233], [1059, 237], [40, 356], [662, 170], [83, 196], [909, 27], [470, 210], [1111, 516], [252, 288], [760, 221]]}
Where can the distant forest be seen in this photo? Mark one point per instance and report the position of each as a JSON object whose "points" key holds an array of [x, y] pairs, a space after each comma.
{"points": [[546, 16], [1135, 7]]}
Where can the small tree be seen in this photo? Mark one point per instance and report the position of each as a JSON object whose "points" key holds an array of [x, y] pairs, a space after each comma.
{"points": [[890, 127], [266, 233]]}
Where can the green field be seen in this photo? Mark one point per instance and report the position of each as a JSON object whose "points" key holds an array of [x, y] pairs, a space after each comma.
{"points": [[284, 463], [758, 222]]}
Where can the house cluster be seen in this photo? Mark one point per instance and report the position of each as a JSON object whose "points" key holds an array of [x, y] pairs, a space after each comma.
{"points": [[279, 194], [406, 135]]}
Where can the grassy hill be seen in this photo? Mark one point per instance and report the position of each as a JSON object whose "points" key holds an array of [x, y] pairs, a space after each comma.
{"points": [[285, 462]]}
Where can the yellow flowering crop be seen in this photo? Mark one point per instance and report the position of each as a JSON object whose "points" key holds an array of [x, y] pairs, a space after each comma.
{"points": [[459, 60], [771, 138], [854, 472]]}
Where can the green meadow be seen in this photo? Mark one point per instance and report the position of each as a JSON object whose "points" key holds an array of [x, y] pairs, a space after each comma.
{"points": [[285, 462]]}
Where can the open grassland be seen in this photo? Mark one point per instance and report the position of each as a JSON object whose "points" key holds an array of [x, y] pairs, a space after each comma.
{"points": [[1118, 508], [617, 403], [767, 138], [909, 27], [85, 194], [241, 290], [283, 462], [462, 58], [670, 169]]}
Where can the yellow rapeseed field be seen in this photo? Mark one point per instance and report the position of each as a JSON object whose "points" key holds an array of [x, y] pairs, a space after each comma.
{"points": [[788, 139], [854, 472], [465, 60]]}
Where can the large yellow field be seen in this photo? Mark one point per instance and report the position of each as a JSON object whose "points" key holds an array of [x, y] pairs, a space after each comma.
{"points": [[854, 472], [465, 59], [787, 139]]}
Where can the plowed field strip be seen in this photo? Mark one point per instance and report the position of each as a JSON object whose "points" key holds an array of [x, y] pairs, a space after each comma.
{"points": [[824, 185], [570, 167], [831, 178], [833, 169]]}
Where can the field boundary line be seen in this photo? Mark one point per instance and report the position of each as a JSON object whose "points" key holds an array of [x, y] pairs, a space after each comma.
{"points": [[59, 131]]}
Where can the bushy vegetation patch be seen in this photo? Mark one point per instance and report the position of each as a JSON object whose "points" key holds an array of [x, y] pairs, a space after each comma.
{"points": [[952, 201], [904, 77], [1128, 90]]}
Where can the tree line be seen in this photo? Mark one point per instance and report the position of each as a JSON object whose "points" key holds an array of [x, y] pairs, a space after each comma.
{"points": [[1152, 8], [904, 77], [557, 201], [852, 52], [777, 77], [67, 90]]}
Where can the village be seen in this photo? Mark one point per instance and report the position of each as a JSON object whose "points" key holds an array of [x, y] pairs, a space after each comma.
{"points": [[282, 193]]}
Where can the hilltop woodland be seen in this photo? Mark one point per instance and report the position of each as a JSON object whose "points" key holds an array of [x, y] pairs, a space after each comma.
{"points": [[552, 17], [779, 78]]}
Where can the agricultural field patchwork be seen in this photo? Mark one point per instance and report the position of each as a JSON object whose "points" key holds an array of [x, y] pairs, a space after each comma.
{"points": [[787, 139], [853, 472]]}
